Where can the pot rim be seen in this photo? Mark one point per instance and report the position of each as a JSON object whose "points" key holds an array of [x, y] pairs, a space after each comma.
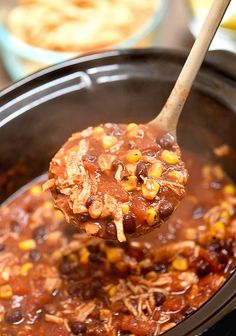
{"points": [[227, 70], [224, 300]]}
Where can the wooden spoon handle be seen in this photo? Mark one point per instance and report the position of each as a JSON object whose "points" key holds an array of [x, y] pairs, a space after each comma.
{"points": [[168, 118]]}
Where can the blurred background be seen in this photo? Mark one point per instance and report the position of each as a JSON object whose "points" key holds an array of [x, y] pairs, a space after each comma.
{"points": [[37, 33]]}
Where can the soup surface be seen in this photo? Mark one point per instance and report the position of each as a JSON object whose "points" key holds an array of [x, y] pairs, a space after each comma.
{"points": [[59, 282]]}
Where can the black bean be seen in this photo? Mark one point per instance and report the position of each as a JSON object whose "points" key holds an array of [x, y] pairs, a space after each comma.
{"points": [[93, 248], [89, 292], [124, 333], [187, 311], [129, 224], [70, 230], [83, 218], [203, 268], [214, 246], [78, 328], [160, 268], [14, 316], [76, 289], [159, 298], [165, 209], [31, 207], [97, 283], [111, 229], [136, 253], [167, 141], [223, 256], [34, 255], [111, 243], [229, 244], [15, 227], [39, 234], [89, 202], [66, 268], [141, 171], [149, 153], [2, 247], [97, 257], [146, 270]]}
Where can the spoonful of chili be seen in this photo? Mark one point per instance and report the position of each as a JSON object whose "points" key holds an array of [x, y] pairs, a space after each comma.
{"points": [[119, 180]]}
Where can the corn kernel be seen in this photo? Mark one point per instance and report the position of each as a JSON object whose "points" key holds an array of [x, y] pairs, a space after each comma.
{"points": [[134, 133], [95, 209], [25, 268], [35, 190], [133, 155], [98, 130], [131, 126], [155, 170], [84, 256], [125, 208], [72, 257], [112, 291], [191, 233], [206, 172], [114, 254], [59, 215], [229, 189], [218, 230], [48, 205], [108, 141], [27, 245], [130, 183], [151, 216], [122, 266], [150, 188], [176, 176], [180, 264], [56, 255], [227, 206], [218, 172], [5, 292], [169, 157], [225, 215]]}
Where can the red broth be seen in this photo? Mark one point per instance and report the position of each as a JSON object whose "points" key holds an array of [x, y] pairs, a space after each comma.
{"points": [[57, 281]]}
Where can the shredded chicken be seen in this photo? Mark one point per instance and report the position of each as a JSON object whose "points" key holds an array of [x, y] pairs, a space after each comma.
{"points": [[113, 207], [83, 311], [48, 184], [54, 319]]}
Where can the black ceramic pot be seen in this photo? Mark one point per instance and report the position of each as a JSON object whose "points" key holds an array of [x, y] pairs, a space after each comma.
{"points": [[38, 113]]}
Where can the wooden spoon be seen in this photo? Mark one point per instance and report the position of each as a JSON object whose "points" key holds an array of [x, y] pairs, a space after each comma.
{"points": [[116, 179], [167, 119]]}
